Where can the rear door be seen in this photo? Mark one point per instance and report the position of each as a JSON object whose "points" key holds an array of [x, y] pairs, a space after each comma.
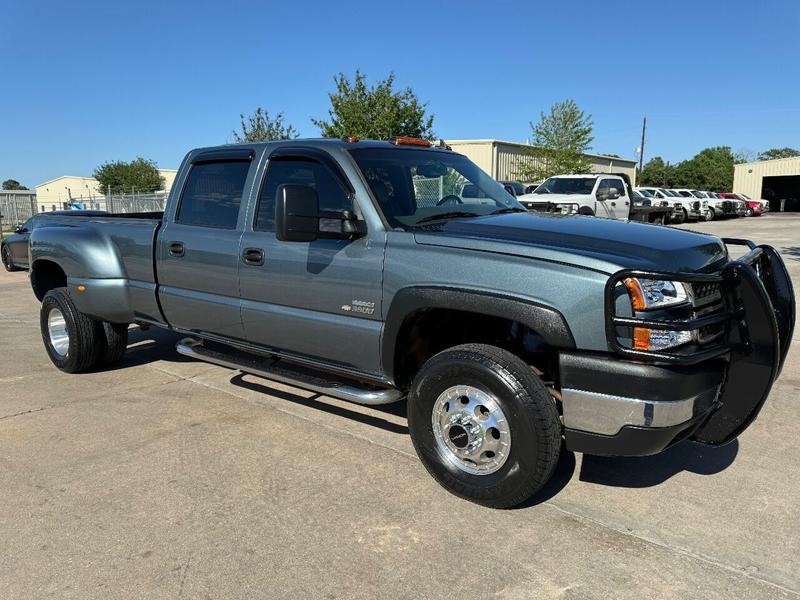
{"points": [[320, 299], [198, 247]]}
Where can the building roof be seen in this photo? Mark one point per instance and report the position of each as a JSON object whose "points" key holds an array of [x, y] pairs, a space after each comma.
{"points": [[64, 177], [772, 161], [494, 141]]}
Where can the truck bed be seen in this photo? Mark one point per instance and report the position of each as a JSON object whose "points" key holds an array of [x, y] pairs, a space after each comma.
{"points": [[126, 274]]}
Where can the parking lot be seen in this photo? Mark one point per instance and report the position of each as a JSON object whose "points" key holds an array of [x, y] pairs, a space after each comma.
{"points": [[167, 478]]}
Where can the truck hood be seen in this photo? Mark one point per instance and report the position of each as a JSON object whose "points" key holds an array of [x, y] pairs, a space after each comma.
{"points": [[602, 244]]}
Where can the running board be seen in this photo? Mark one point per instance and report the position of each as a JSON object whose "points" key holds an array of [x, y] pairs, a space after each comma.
{"points": [[283, 372]]}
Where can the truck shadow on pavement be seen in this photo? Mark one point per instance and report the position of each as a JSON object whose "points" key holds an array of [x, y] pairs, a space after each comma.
{"points": [[791, 251], [648, 471], [397, 409]]}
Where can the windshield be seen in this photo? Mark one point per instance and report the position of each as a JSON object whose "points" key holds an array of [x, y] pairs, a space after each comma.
{"points": [[425, 185], [647, 193], [685, 194], [567, 185], [669, 193], [744, 196], [697, 194]]}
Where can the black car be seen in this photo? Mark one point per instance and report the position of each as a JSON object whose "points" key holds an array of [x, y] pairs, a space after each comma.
{"points": [[14, 249], [514, 187]]}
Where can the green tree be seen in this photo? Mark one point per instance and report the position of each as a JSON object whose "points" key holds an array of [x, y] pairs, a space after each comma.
{"points": [[377, 112], [776, 153], [560, 140], [710, 169], [140, 175], [654, 173], [13, 184], [260, 127]]}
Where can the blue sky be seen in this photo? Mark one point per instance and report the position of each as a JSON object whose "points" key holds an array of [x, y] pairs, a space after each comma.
{"points": [[86, 82]]}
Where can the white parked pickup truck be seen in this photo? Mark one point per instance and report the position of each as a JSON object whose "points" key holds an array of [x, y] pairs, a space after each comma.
{"points": [[684, 209], [587, 194]]}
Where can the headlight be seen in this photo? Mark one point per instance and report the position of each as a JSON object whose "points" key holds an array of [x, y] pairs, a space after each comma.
{"points": [[648, 294], [659, 339]]}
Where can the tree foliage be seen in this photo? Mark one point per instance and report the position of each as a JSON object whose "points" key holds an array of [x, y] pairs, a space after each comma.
{"points": [[775, 153], [374, 112], [560, 141], [13, 184], [140, 175], [260, 127], [710, 169], [654, 173]]}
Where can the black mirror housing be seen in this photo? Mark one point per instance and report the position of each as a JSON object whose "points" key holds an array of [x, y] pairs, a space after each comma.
{"points": [[296, 213]]}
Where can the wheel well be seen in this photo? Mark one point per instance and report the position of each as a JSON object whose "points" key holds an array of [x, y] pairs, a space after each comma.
{"points": [[427, 332], [45, 276]]}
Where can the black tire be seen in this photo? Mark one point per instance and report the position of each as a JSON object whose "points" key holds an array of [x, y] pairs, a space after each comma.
{"points": [[83, 341], [659, 220], [113, 340], [529, 410], [585, 211], [6, 257], [750, 212], [681, 216], [709, 216]]}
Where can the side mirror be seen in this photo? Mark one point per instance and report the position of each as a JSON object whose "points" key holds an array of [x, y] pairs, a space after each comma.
{"points": [[602, 195], [296, 213], [613, 194], [19, 229], [509, 189]]}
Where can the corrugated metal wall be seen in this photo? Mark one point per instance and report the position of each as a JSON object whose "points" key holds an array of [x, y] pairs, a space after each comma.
{"points": [[747, 177], [502, 160]]}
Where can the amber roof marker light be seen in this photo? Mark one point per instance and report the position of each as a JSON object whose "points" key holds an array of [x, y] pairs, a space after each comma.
{"points": [[409, 141], [350, 139]]}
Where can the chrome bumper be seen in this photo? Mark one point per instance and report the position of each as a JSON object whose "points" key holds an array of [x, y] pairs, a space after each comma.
{"points": [[605, 414]]}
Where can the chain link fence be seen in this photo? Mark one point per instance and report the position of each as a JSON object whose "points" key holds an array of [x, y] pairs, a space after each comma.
{"points": [[16, 208]]}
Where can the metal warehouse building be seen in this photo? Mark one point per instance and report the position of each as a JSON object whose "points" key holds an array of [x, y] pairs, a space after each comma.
{"points": [[775, 180], [502, 159]]}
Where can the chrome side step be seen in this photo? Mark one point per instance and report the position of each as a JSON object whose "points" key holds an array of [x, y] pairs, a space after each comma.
{"points": [[284, 372]]}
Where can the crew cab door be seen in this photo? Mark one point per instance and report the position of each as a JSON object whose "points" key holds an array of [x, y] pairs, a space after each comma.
{"points": [[322, 299], [198, 246], [612, 208]]}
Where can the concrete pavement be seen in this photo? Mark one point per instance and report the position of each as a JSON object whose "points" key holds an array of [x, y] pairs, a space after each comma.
{"points": [[168, 478]]}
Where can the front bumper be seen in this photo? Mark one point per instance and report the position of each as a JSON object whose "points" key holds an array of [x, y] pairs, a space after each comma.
{"points": [[644, 402]]}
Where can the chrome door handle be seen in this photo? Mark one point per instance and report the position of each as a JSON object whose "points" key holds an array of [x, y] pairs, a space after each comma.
{"points": [[253, 256], [177, 249]]}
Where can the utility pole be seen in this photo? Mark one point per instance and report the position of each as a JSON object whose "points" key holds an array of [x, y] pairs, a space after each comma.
{"points": [[641, 148], [666, 168]]}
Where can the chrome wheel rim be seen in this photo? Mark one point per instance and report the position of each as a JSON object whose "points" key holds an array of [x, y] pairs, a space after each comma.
{"points": [[471, 430], [57, 330]]}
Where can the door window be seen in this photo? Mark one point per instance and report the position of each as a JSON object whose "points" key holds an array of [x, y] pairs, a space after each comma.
{"points": [[213, 194], [332, 196]]}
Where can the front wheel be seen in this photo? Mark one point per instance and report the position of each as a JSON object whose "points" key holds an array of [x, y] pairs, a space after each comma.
{"points": [[6, 257], [680, 216], [709, 215], [484, 425], [750, 212]]}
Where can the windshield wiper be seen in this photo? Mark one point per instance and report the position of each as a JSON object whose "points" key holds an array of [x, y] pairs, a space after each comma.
{"points": [[447, 215], [510, 209]]}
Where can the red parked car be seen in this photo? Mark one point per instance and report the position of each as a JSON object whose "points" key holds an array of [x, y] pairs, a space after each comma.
{"points": [[754, 207]]}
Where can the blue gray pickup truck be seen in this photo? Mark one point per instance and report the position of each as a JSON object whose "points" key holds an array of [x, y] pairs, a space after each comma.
{"points": [[360, 270]]}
